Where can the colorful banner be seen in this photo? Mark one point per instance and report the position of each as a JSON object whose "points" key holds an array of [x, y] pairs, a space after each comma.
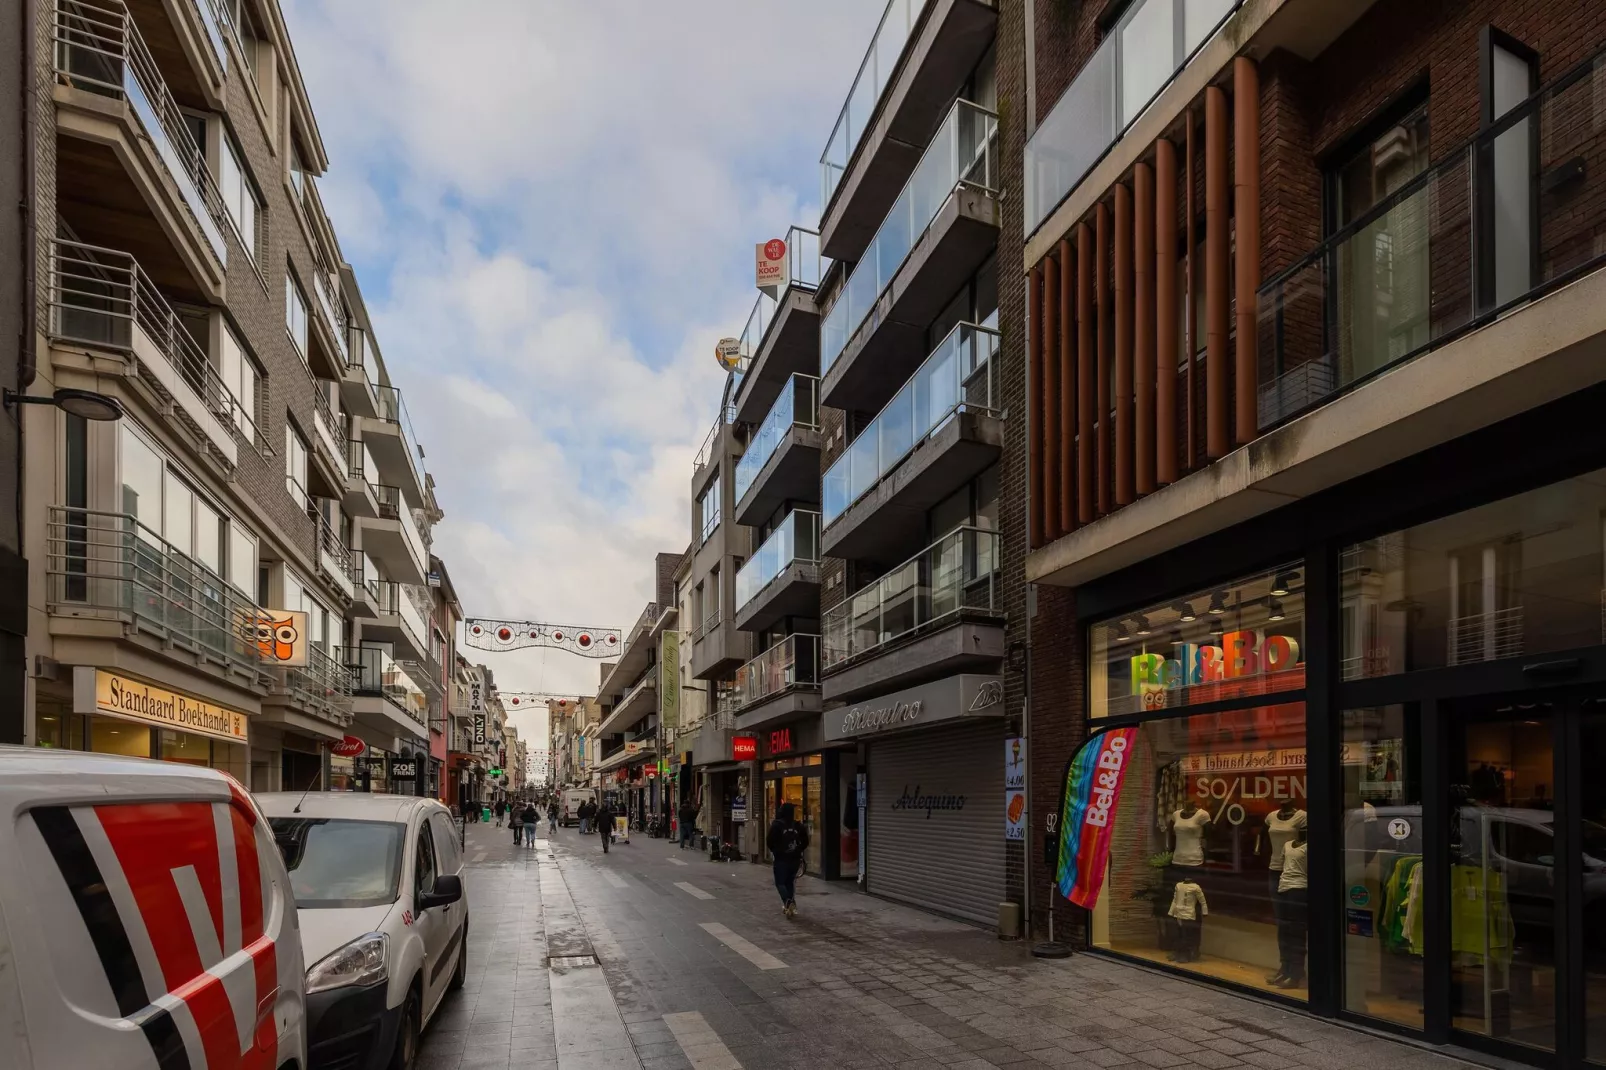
{"points": [[1087, 813]]}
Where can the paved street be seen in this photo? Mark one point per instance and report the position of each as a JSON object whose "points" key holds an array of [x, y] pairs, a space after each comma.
{"points": [[699, 969]]}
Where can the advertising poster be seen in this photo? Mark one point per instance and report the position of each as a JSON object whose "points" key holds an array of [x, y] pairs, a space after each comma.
{"points": [[1014, 789]]}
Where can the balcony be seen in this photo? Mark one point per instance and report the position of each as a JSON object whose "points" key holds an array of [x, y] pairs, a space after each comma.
{"points": [[334, 556], [359, 383], [403, 621], [941, 430], [361, 498], [213, 22], [101, 57], [392, 538], [322, 687], [782, 461], [332, 317], [634, 655], [939, 231], [938, 613], [779, 685], [782, 334], [920, 56], [782, 578], [390, 438], [330, 446], [386, 698], [717, 646], [111, 577], [102, 299], [364, 586], [639, 701]]}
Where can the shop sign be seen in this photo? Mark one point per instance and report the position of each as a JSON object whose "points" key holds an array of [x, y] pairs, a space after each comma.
{"points": [[402, 768], [280, 636], [634, 746], [1242, 655], [99, 691], [744, 748], [479, 730], [1015, 764], [780, 741], [769, 266], [739, 809], [669, 680], [966, 695], [349, 747], [476, 696]]}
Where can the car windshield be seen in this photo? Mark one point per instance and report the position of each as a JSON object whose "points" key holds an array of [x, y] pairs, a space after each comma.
{"points": [[340, 863]]}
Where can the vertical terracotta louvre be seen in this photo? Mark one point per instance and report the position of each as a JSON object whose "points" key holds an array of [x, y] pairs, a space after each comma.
{"points": [[1190, 322], [1034, 373], [1048, 402], [1101, 395], [1217, 430], [1246, 218], [1123, 345], [1068, 384], [1165, 299], [1143, 327], [1085, 374]]}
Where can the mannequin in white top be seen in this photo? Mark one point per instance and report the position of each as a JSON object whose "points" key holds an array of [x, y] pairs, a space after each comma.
{"points": [[1289, 899], [1188, 827]]}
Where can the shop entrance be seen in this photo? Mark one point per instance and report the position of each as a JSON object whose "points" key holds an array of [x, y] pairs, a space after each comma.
{"points": [[801, 782]]}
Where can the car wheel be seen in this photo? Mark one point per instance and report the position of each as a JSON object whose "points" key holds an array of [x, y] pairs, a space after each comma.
{"points": [[460, 974], [406, 1054]]}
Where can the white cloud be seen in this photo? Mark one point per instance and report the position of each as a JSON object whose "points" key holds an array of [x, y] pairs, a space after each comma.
{"points": [[551, 208]]}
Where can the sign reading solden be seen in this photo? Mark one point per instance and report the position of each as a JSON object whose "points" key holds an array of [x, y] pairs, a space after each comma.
{"points": [[122, 696]]}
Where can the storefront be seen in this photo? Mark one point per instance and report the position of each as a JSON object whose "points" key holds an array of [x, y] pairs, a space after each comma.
{"points": [[934, 809], [796, 767], [1364, 738], [114, 713]]}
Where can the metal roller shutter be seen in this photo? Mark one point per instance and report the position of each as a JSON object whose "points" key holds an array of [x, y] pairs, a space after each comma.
{"points": [[952, 860]]}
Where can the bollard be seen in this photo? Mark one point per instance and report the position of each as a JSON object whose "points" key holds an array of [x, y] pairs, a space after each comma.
{"points": [[1009, 921]]}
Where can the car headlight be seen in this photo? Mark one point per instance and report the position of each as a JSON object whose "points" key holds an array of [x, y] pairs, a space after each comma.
{"points": [[361, 962]]}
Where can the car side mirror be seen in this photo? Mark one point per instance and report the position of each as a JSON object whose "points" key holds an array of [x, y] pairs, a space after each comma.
{"points": [[448, 890]]}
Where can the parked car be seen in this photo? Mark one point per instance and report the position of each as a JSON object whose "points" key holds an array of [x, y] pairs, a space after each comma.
{"points": [[145, 919], [378, 880], [572, 798]]}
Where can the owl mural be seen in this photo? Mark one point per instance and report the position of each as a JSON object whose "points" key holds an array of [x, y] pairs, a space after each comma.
{"points": [[278, 637]]}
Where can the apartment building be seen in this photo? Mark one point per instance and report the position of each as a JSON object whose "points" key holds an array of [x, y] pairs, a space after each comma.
{"points": [[231, 573], [16, 354], [440, 676], [1316, 317], [572, 725]]}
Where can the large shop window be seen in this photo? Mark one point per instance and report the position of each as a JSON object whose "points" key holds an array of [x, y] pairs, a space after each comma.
{"points": [[1524, 575], [1207, 860], [1239, 640]]}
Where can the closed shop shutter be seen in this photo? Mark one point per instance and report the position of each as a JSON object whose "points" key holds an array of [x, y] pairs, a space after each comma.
{"points": [[952, 860]]}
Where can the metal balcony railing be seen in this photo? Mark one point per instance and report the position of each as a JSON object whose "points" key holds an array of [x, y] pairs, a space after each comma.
{"points": [[331, 548], [374, 672], [100, 297], [1507, 217], [329, 304], [960, 154], [959, 376], [329, 421], [393, 506], [214, 19], [956, 574], [323, 685], [111, 566], [1142, 54], [795, 539], [792, 663], [1485, 636], [804, 268], [705, 452], [875, 71], [392, 409], [798, 405], [710, 623], [397, 600], [99, 49]]}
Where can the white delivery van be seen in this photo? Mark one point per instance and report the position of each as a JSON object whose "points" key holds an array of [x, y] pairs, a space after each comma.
{"points": [[572, 798]]}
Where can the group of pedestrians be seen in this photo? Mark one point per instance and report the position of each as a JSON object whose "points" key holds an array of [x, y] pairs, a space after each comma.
{"points": [[524, 818], [599, 817]]}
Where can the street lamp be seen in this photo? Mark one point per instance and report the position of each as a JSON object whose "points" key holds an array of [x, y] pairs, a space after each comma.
{"points": [[86, 404]]}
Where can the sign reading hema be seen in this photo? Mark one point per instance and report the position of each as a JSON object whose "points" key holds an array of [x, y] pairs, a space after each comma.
{"points": [[966, 695]]}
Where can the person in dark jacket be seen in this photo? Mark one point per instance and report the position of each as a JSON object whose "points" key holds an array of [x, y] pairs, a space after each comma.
{"points": [[552, 818], [587, 808], [514, 823], [500, 806], [604, 819], [530, 817], [787, 840], [688, 822]]}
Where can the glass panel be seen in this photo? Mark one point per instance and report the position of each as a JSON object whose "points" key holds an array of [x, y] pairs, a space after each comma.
{"points": [[1243, 638], [1502, 880], [142, 483], [1592, 810], [208, 537], [793, 407], [812, 816], [880, 60], [1208, 802], [794, 539], [107, 735], [1381, 889], [186, 748], [1523, 575], [179, 515], [1148, 55], [242, 560]]}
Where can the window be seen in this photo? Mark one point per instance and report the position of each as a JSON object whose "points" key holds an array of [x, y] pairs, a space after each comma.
{"points": [[242, 378], [208, 537], [243, 561], [295, 465], [295, 312], [142, 483], [239, 195], [424, 872], [245, 32], [298, 171], [708, 506]]}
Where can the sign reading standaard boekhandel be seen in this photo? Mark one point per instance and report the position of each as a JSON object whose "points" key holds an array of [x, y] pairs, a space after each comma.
{"points": [[101, 691], [965, 695]]}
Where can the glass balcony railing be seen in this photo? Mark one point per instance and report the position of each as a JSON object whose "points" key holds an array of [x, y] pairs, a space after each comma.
{"points": [[393, 506], [804, 267], [956, 573], [360, 355], [374, 672], [99, 49], [329, 423], [961, 153], [959, 376], [797, 406], [399, 599], [392, 409], [1151, 43], [1505, 218], [792, 663], [214, 20], [112, 566], [875, 71], [795, 539], [334, 317]]}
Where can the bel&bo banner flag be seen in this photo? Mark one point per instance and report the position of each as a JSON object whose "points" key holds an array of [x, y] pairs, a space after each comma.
{"points": [[1087, 813]]}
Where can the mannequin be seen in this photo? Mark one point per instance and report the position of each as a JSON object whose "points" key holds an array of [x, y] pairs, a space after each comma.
{"points": [[1189, 908], [1283, 825], [1291, 914], [1188, 827]]}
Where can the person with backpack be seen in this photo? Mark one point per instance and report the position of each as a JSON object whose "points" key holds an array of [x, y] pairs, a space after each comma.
{"points": [[787, 840], [604, 817]]}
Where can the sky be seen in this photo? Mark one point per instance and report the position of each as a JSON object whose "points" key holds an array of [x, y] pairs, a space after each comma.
{"points": [[551, 207]]}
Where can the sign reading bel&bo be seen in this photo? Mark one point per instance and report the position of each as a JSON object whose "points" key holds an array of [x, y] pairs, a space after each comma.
{"points": [[102, 691]]}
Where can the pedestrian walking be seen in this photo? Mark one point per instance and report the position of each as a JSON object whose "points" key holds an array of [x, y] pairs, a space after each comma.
{"points": [[787, 840], [587, 809], [517, 826], [552, 818], [499, 808], [604, 817], [688, 821], [530, 818]]}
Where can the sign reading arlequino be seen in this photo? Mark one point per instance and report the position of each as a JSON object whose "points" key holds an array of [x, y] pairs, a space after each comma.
{"points": [[103, 691], [965, 695]]}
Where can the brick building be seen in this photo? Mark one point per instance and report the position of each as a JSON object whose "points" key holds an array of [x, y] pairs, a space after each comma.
{"points": [[263, 494], [1315, 323]]}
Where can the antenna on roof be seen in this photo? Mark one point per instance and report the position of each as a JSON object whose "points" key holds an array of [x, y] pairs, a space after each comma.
{"points": [[315, 781]]}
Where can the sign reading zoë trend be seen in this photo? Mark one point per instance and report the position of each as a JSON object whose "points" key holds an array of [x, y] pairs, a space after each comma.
{"points": [[100, 691]]}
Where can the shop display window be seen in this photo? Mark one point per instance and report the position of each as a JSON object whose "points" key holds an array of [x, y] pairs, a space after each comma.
{"points": [[343, 774], [186, 748], [1207, 864], [64, 731], [1237, 640], [1523, 575], [108, 735]]}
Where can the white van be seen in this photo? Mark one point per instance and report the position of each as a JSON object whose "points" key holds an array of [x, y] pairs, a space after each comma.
{"points": [[145, 917], [572, 798], [378, 881]]}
